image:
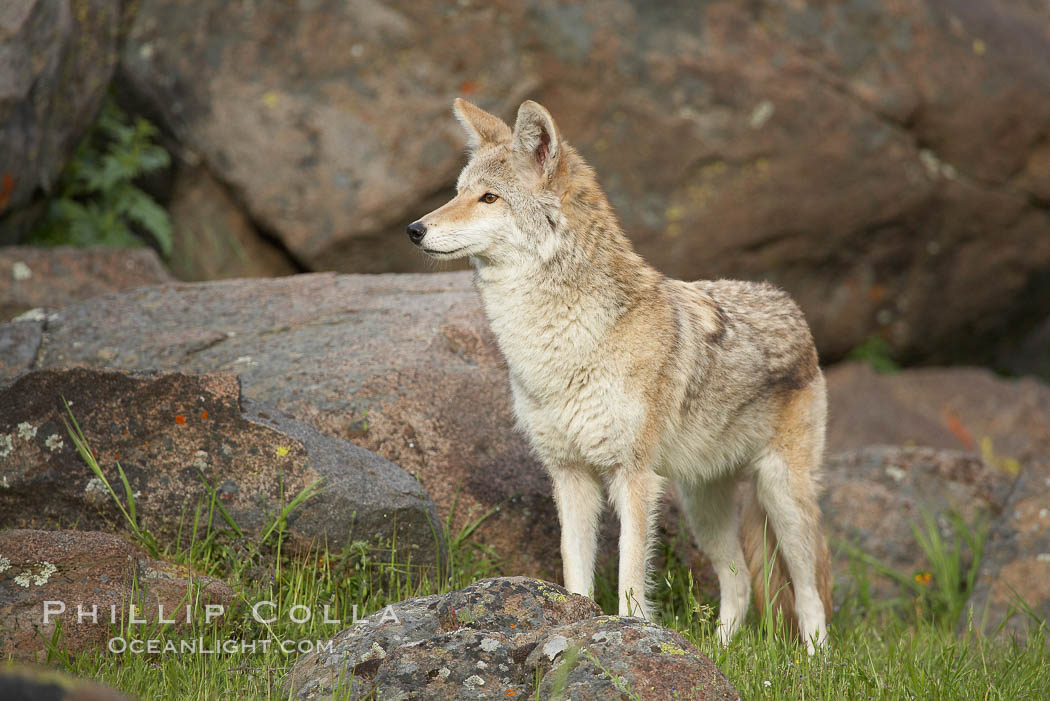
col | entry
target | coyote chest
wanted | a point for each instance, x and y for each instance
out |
(567, 393)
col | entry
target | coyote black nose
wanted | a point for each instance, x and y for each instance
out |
(416, 231)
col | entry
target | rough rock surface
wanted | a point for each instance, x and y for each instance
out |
(622, 658)
(19, 343)
(86, 568)
(56, 61)
(177, 437)
(874, 496)
(50, 278)
(957, 408)
(886, 162)
(1007, 421)
(214, 240)
(493, 639)
(18, 683)
(402, 365)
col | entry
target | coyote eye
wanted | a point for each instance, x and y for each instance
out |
(488, 198)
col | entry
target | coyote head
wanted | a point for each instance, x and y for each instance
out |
(507, 206)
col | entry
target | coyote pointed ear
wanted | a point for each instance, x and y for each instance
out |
(537, 140)
(482, 128)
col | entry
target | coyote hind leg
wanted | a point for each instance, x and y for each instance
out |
(795, 518)
(710, 510)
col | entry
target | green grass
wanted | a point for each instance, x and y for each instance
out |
(905, 647)
(872, 653)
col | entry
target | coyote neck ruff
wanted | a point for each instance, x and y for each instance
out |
(624, 379)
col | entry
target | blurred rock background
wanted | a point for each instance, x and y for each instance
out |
(886, 161)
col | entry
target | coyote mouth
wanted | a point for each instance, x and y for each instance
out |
(434, 251)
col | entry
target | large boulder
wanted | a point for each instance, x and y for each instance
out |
(402, 365)
(88, 569)
(494, 640)
(886, 162)
(56, 61)
(49, 278)
(179, 437)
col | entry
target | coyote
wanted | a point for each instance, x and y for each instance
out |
(623, 378)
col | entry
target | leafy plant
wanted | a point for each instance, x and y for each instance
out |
(876, 352)
(96, 202)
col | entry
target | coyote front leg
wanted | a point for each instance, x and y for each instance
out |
(578, 496)
(635, 496)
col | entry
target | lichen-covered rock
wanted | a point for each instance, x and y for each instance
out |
(179, 436)
(461, 664)
(92, 570)
(433, 643)
(1016, 563)
(524, 607)
(58, 58)
(494, 640)
(611, 657)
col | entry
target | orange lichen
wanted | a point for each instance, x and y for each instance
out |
(955, 425)
(180, 419)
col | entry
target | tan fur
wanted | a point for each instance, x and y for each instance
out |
(625, 380)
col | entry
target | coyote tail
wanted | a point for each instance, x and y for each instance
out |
(765, 563)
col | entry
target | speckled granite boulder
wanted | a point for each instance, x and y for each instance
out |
(494, 640)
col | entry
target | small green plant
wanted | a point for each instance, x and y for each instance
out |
(951, 579)
(876, 352)
(142, 535)
(939, 595)
(96, 202)
(569, 659)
